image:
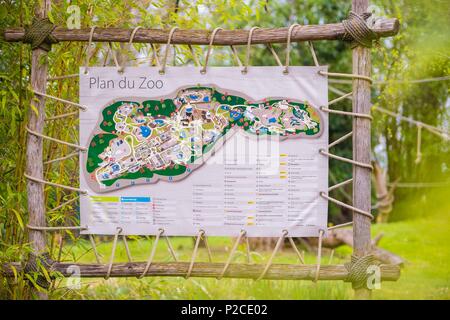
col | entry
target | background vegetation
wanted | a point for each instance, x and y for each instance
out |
(418, 227)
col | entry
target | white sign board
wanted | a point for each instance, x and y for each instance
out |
(220, 152)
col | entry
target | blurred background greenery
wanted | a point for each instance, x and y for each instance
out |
(417, 226)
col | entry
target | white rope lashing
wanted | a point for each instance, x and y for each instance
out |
(38, 228)
(113, 253)
(236, 56)
(88, 50)
(313, 53)
(61, 116)
(65, 203)
(299, 255)
(67, 76)
(208, 249)
(208, 52)
(194, 56)
(249, 45)
(341, 139)
(73, 145)
(344, 96)
(155, 56)
(351, 161)
(194, 253)
(152, 253)
(288, 47)
(166, 52)
(170, 248)
(319, 255)
(121, 69)
(274, 252)
(345, 75)
(437, 131)
(433, 129)
(84, 108)
(231, 255)
(275, 55)
(347, 113)
(127, 249)
(340, 184)
(94, 248)
(247, 250)
(342, 225)
(331, 188)
(347, 206)
(114, 55)
(70, 155)
(38, 180)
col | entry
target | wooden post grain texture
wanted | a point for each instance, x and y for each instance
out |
(361, 150)
(34, 165)
(207, 270)
(332, 31)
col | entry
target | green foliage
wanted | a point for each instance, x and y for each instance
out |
(98, 144)
(160, 108)
(421, 242)
(419, 51)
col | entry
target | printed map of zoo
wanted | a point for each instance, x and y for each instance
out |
(142, 141)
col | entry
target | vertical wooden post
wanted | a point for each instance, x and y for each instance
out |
(34, 165)
(361, 150)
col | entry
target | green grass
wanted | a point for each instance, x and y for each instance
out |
(421, 242)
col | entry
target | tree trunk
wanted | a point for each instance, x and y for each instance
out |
(34, 162)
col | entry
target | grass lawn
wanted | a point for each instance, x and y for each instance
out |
(422, 242)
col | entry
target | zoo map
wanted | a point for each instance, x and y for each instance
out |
(166, 139)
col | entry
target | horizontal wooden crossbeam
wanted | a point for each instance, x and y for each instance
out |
(333, 31)
(211, 270)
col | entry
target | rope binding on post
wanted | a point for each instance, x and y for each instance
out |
(39, 34)
(357, 270)
(357, 31)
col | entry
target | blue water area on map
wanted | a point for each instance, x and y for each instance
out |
(145, 131)
(272, 120)
(135, 199)
(159, 122)
(236, 115)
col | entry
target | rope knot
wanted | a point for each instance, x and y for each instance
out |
(35, 264)
(357, 31)
(39, 34)
(357, 270)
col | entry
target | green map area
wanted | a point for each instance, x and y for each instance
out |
(162, 138)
